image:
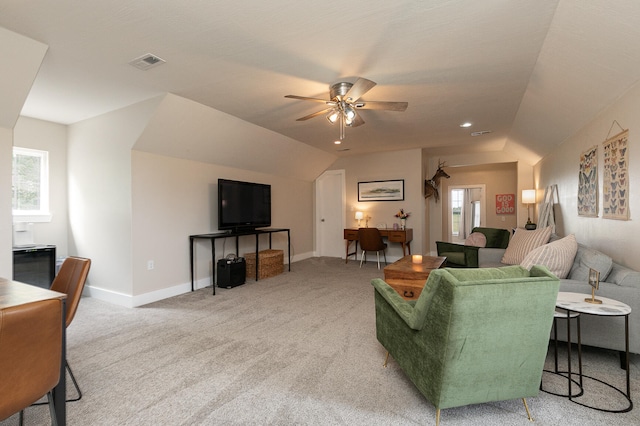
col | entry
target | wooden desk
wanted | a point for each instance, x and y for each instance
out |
(14, 293)
(402, 236)
(408, 278)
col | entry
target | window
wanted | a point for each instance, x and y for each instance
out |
(30, 185)
(466, 210)
(457, 200)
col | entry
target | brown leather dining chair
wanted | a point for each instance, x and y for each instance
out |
(371, 240)
(30, 355)
(70, 280)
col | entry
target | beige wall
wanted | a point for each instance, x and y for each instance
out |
(617, 238)
(391, 165)
(21, 60)
(498, 178)
(99, 182)
(436, 212)
(128, 205)
(175, 198)
(50, 137)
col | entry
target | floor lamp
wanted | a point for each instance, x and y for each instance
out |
(528, 198)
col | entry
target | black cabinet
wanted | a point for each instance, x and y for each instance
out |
(35, 265)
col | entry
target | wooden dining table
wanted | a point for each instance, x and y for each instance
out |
(14, 293)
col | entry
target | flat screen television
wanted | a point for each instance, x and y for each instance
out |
(243, 205)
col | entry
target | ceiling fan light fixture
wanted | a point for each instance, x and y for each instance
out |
(333, 115)
(349, 115)
(344, 100)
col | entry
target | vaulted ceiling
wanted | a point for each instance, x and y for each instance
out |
(531, 72)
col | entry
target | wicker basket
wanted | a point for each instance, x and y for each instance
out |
(271, 263)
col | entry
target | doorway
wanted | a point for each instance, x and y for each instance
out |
(330, 213)
(467, 209)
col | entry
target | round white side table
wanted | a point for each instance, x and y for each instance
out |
(575, 303)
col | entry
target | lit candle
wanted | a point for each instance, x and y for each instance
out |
(417, 258)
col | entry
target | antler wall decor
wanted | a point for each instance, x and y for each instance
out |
(431, 185)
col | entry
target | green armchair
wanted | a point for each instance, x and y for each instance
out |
(463, 256)
(473, 335)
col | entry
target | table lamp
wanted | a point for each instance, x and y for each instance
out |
(359, 217)
(528, 198)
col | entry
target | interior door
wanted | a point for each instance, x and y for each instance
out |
(330, 213)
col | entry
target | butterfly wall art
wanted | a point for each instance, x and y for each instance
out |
(588, 183)
(615, 178)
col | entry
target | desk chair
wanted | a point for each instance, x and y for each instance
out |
(70, 280)
(30, 355)
(371, 240)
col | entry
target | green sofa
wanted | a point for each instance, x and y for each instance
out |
(463, 256)
(473, 335)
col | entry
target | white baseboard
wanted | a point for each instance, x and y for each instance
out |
(141, 299)
(299, 257)
(129, 301)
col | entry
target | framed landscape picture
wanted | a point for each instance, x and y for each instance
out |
(381, 190)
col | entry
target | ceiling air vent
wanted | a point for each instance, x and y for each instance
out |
(147, 61)
(480, 133)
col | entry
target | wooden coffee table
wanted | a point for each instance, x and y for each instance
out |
(408, 278)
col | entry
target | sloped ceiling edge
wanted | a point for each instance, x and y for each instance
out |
(185, 129)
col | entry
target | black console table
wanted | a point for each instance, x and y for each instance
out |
(217, 235)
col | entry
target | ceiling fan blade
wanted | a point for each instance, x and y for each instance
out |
(315, 114)
(304, 98)
(359, 88)
(357, 121)
(389, 106)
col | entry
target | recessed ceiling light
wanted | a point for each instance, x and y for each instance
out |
(480, 133)
(467, 124)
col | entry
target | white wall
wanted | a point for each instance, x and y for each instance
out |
(390, 165)
(129, 204)
(174, 198)
(619, 239)
(51, 137)
(99, 179)
(21, 60)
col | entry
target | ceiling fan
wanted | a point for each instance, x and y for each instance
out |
(345, 101)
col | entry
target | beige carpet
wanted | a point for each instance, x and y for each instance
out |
(297, 349)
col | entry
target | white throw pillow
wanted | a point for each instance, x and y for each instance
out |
(557, 256)
(522, 242)
(476, 239)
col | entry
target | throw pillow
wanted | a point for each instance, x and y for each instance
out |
(476, 239)
(522, 242)
(557, 256)
(590, 258)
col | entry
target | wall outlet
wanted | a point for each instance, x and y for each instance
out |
(150, 265)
